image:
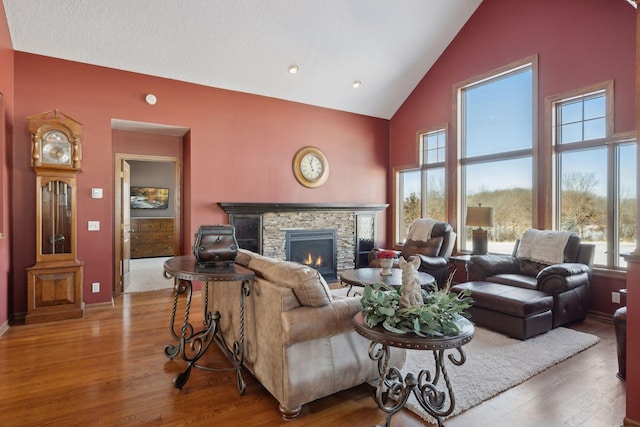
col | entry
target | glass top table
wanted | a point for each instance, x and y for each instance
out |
(367, 276)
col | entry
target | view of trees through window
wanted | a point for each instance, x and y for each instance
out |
(593, 175)
(497, 138)
(597, 190)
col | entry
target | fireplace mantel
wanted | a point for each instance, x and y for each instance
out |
(261, 227)
(259, 208)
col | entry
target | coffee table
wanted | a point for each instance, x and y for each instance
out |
(367, 276)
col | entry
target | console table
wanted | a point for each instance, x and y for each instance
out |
(393, 390)
(192, 344)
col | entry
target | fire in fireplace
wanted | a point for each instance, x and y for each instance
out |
(315, 248)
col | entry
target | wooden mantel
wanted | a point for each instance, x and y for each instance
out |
(258, 208)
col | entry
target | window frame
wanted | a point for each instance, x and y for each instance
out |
(460, 177)
(610, 142)
(423, 167)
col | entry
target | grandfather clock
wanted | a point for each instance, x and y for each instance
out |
(54, 288)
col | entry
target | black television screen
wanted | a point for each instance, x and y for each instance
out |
(149, 198)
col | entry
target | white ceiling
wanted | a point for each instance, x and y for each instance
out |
(247, 45)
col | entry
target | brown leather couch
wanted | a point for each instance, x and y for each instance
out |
(300, 343)
(433, 253)
(523, 298)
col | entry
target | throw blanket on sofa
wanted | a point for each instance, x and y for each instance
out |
(544, 246)
(420, 229)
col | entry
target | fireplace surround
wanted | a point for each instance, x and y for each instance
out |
(262, 227)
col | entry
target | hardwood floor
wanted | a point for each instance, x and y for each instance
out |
(109, 369)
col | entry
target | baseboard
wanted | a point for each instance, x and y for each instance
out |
(100, 305)
(4, 328)
(601, 317)
(628, 422)
(18, 319)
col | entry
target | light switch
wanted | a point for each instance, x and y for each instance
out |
(96, 193)
(94, 226)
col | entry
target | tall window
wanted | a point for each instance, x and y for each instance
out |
(421, 191)
(496, 116)
(595, 187)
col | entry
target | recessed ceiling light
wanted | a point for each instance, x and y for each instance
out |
(293, 68)
(151, 99)
(356, 84)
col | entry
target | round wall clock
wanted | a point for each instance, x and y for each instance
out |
(310, 167)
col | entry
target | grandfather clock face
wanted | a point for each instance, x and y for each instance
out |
(56, 141)
(56, 148)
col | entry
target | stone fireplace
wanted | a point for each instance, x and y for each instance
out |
(263, 228)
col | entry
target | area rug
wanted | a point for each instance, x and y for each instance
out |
(146, 275)
(496, 363)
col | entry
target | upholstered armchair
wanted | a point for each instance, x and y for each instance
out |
(553, 262)
(430, 240)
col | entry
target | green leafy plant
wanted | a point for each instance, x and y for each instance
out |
(437, 316)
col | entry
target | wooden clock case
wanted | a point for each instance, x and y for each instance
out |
(54, 283)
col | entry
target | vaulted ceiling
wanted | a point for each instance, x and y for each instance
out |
(248, 45)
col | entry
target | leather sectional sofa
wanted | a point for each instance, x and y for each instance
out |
(522, 298)
(300, 343)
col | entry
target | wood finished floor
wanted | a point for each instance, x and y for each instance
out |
(109, 369)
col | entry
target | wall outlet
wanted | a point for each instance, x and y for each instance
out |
(615, 297)
(93, 225)
(95, 287)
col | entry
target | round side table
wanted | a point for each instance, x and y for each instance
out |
(393, 389)
(191, 343)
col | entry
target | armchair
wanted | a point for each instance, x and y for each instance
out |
(430, 240)
(532, 266)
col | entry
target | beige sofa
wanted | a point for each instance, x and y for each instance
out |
(299, 338)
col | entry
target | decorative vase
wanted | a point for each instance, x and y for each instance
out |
(386, 264)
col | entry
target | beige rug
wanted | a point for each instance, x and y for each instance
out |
(146, 275)
(496, 363)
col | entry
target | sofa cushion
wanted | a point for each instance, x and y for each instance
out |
(515, 280)
(307, 283)
(429, 248)
(244, 256)
(506, 299)
(531, 268)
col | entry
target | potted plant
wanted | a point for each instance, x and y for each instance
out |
(386, 258)
(438, 314)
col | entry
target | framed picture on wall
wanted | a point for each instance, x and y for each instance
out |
(149, 198)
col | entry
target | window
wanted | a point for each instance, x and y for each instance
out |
(409, 204)
(496, 116)
(595, 189)
(421, 191)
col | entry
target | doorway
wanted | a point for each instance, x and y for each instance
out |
(145, 237)
(153, 144)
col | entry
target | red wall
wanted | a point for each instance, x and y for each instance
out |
(239, 148)
(6, 127)
(571, 54)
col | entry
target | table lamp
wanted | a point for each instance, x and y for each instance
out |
(479, 217)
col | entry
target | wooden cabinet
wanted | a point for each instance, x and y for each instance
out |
(152, 237)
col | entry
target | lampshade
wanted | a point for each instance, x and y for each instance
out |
(479, 216)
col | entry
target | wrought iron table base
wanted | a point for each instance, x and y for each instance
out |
(393, 389)
(192, 345)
